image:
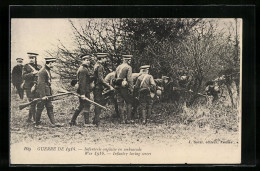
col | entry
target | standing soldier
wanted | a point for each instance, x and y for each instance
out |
(30, 71)
(110, 80)
(84, 89)
(17, 77)
(144, 86)
(124, 86)
(44, 90)
(100, 84)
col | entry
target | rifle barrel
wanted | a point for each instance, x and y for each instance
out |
(22, 106)
(87, 99)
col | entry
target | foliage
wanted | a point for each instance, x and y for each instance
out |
(202, 48)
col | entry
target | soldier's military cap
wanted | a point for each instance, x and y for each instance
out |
(85, 57)
(49, 59)
(127, 56)
(19, 59)
(101, 55)
(165, 77)
(145, 67)
(30, 54)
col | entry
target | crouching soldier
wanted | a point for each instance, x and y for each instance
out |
(144, 86)
(163, 84)
(110, 80)
(44, 90)
(212, 90)
(84, 89)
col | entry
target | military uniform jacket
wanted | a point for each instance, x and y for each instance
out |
(99, 76)
(124, 71)
(135, 76)
(17, 75)
(84, 80)
(110, 77)
(28, 76)
(159, 82)
(44, 82)
(145, 81)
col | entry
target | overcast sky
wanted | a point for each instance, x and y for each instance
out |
(37, 35)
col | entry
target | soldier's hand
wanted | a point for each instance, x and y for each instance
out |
(112, 88)
(82, 96)
(35, 72)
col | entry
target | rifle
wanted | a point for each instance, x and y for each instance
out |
(87, 99)
(22, 106)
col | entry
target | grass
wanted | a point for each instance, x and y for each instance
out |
(168, 124)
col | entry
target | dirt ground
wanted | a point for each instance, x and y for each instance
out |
(165, 126)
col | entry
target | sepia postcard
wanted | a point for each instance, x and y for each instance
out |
(125, 90)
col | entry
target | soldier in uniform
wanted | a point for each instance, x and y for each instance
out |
(162, 84)
(30, 71)
(212, 90)
(110, 80)
(44, 90)
(144, 86)
(124, 87)
(17, 78)
(84, 89)
(100, 84)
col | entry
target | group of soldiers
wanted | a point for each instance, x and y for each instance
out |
(35, 81)
(123, 87)
(128, 91)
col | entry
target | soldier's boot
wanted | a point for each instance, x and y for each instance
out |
(31, 114)
(86, 117)
(143, 112)
(38, 117)
(96, 117)
(51, 116)
(149, 112)
(74, 117)
(135, 113)
(117, 111)
(129, 114)
(121, 114)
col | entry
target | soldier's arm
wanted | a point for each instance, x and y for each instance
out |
(136, 87)
(130, 78)
(108, 78)
(152, 83)
(42, 77)
(101, 77)
(158, 82)
(137, 84)
(27, 74)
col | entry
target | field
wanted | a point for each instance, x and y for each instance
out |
(214, 123)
